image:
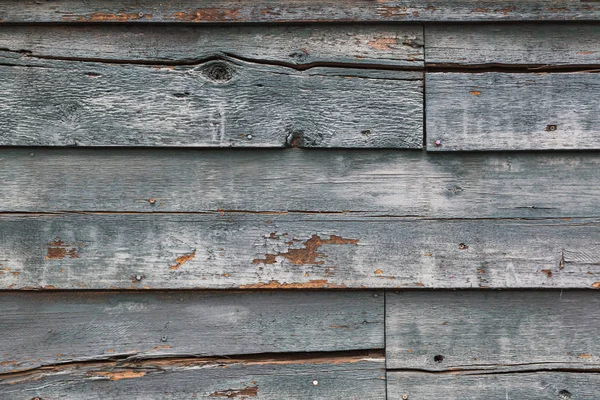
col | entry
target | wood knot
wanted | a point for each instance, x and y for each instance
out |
(218, 71)
(564, 395)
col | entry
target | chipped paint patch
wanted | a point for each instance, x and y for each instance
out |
(57, 250)
(209, 15)
(117, 376)
(312, 284)
(475, 92)
(182, 260)
(107, 17)
(383, 43)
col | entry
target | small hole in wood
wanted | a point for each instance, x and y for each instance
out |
(564, 395)
(438, 358)
(550, 128)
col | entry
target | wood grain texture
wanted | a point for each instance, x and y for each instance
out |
(186, 11)
(355, 377)
(294, 45)
(522, 386)
(385, 182)
(293, 251)
(506, 111)
(215, 104)
(513, 44)
(41, 329)
(499, 330)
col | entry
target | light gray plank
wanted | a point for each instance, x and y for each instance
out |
(51, 328)
(505, 111)
(513, 44)
(301, 45)
(341, 377)
(239, 250)
(386, 182)
(521, 386)
(215, 104)
(494, 330)
(187, 11)
(360, 376)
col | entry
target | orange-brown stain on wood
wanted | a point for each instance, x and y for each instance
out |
(248, 391)
(392, 12)
(312, 284)
(585, 52)
(480, 10)
(107, 17)
(383, 43)
(308, 254)
(506, 10)
(57, 250)
(585, 356)
(117, 376)
(209, 15)
(596, 285)
(475, 92)
(179, 261)
(547, 272)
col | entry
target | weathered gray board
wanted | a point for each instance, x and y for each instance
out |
(386, 182)
(355, 377)
(295, 45)
(539, 385)
(493, 330)
(508, 111)
(521, 44)
(40, 329)
(210, 11)
(216, 103)
(294, 251)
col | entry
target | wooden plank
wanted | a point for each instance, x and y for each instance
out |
(187, 11)
(522, 44)
(539, 385)
(216, 103)
(500, 330)
(294, 45)
(385, 182)
(240, 250)
(506, 111)
(51, 328)
(353, 377)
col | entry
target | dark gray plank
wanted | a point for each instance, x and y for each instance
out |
(216, 104)
(239, 250)
(522, 386)
(360, 376)
(51, 328)
(341, 377)
(493, 330)
(513, 44)
(301, 45)
(187, 11)
(506, 111)
(386, 182)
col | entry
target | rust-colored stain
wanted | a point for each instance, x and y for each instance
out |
(106, 17)
(378, 272)
(248, 391)
(558, 9)
(585, 52)
(117, 376)
(308, 254)
(312, 284)
(480, 10)
(57, 250)
(585, 356)
(179, 261)
(506, 10)
(383, 43)
(475, 92)
(596, 285)
(547, 272)
(420, 284)
(209, 14)
(392, 12)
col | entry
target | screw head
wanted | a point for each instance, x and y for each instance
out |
(404, 397)
(138, 277)
(249, 137)
(140, 14)
(31, 154)
(163, 339)
(438, 143)
(152, 200)
(315, 382)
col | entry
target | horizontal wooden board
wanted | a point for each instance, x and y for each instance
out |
(493, 330)
(294, 45)
(216, 104)
(507, 111)
(387, 182)
(52, 328)
(355, 377)
(187, 11)
(513, 44)
(539, 385)
(239, 250)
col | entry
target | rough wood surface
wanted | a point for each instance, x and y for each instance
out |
(216, 103)
(294, 251)
(493, 330)
(539, 385)
(205, 11)
(506, 111)
(386, 182)
(535, 45)
(295, 45)
(40, 329)
(355, 377)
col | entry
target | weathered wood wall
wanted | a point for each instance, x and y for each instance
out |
(399, 176)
